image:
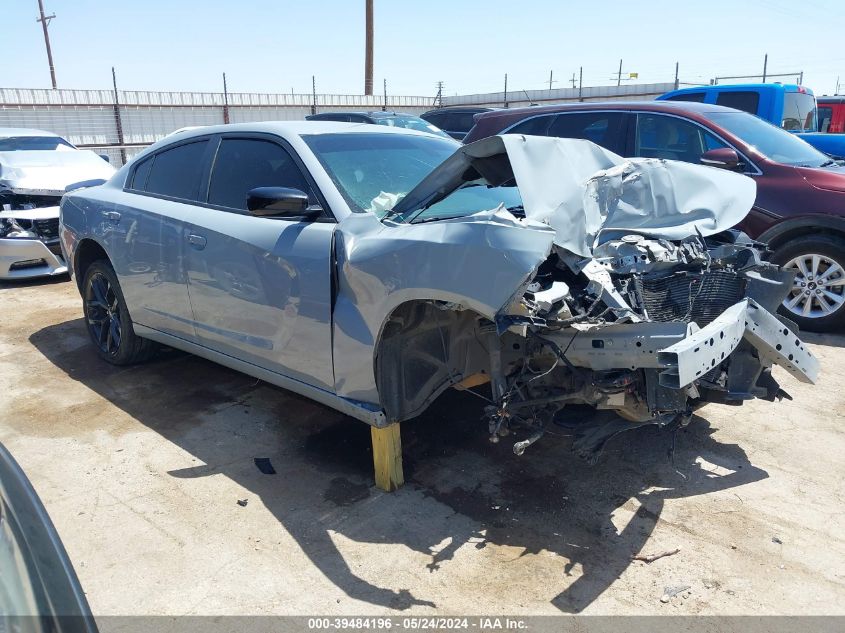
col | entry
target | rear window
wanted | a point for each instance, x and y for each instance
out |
(746, 100)
(536, 126)
(458, 122)
(176, 172)
(34, 143)
(799, 112)
(696, 97)
(603, 128)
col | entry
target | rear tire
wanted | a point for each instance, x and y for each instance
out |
(817, 300)
(107, 318)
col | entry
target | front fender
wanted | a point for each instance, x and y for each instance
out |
(477, 262)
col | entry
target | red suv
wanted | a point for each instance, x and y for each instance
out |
(800, 206)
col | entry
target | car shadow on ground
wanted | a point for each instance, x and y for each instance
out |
(35, 281)
(461, 489)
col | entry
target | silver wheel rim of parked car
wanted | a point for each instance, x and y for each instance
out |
(819, 287)
(103, 313)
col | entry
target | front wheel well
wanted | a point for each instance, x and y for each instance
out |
(87, 252)
(425, 347)
(782, 238)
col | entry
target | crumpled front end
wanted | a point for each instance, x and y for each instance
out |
(648, 328)
(649, 303)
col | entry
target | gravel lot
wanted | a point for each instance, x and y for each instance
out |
(141, 469)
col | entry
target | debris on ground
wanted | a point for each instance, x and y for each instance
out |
(776, 539)
(264, 465)
(671, 592)
(243, 502)
(650, 558)
(733, 545)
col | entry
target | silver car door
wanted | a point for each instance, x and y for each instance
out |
(261, 287)
(148, 236)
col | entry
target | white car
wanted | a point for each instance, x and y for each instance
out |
(36, 168)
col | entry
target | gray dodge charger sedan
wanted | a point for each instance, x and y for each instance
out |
(371, 268)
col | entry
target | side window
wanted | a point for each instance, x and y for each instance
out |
(244, 164)
(538, 126)
(825, 115)
(436, 118)
(695, 97)
(747, 101)
(669, 137)
(458, 121)
(603, 128)
(142, 172)
(176, 172)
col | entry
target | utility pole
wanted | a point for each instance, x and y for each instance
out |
(573, 81)
(580, 82)
(225, 100)
(837, 85)
(765, 65)
(551, 81)
(45, 21)
(676, 76)
(438, 99)
(619, 74)
(506, 90)
(314, 95)
(118, 123)
(368, 54)
(384, 107)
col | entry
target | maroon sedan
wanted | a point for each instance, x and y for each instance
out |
(800, 206)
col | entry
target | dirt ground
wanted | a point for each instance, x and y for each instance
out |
(141, 469)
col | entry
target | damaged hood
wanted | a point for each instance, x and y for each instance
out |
(45, 172)
(589, 194)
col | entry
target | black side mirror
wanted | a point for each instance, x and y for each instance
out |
(724, 158)
(277, 202)
(105, 157)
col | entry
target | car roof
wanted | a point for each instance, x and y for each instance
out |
(288, 129)
(461, 108)
(6, 132)
(829, 99)
(370, 113)
(658, 106)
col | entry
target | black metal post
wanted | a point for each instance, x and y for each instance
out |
(506, 90)
(313, 95)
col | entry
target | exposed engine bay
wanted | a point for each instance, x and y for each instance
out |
(650, 305)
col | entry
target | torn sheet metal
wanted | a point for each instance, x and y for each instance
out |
(581, 189)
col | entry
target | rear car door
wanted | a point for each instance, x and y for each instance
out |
(261, 287)
(147, 237)
(608, 129)
(671, 137)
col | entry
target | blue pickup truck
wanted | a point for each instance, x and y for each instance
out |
(788, 106)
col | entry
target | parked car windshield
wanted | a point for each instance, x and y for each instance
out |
(771, 141)
(411, 123)
(374, 171)
(29, 143)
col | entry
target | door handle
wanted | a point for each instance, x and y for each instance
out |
(112, 216)
(197, 241)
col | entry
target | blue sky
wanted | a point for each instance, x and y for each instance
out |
(276, 45)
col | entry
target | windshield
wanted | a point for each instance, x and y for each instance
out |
(29, 143)
(411, 123)
(799, 112)
(769, 140)
(374, 171)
